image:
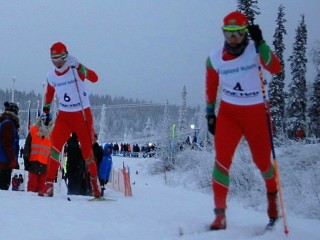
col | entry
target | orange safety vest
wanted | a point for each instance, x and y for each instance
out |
(40, 147)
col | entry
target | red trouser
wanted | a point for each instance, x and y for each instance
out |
(65, 124)
(36, 182)
(233, 122)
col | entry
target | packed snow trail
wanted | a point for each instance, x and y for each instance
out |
(156, 211)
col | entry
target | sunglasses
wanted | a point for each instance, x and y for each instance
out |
(60, 59)
(236, 34)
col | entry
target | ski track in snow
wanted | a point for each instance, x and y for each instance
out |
(156, 211)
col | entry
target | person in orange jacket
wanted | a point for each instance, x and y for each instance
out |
(236, 68)
(36, 152)
(66, 80)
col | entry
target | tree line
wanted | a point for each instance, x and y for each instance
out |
(299, 105)
(121, 119)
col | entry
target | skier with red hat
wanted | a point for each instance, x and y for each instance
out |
(235, 68)
(67, 81)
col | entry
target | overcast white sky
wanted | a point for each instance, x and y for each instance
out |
(141, 49)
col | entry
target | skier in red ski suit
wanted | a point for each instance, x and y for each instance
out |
(67, 81)
(241, 112)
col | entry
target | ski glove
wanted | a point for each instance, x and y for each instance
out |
(212, 123)
(255, 34)
(46, 109)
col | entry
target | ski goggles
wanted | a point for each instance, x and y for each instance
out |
(235, 34)
(58, 58)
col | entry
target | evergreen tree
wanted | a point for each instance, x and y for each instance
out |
(276, 87)
(315, 54)
(182, 126)
(249, 8)
(314, 111)
(128, 134)
(103, 126)
(148, 129)
(296, 108)
(165, 152)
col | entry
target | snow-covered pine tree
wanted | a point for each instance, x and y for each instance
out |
(249, 8)
(182, 127)
(127, 136)
(296, 105)
(314, 111)
(315, 54)
(276, 87)
(165, 152)
(102, 136)
(148, 130)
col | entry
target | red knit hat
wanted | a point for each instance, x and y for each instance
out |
(235, 21)
(58, 50)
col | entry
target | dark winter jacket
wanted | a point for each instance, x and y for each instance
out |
(75, 161)
(76, 168)
(9, 141)
(97, 152)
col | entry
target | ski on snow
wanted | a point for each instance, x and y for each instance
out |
(206, 228)
(102, 199)
(270, 226)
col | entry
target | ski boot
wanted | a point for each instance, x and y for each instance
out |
(272, 206)
(102, 190)
(220, 223)
(96, 192)
(47, 191)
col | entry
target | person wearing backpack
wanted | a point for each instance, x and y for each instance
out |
(9, 143)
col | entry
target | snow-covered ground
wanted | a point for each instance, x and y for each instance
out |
(156, 211)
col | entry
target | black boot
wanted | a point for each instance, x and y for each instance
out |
(272, 206)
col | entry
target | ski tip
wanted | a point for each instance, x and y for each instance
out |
(270, 226)
(101, 199)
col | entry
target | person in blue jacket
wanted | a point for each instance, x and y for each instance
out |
(105, 166)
